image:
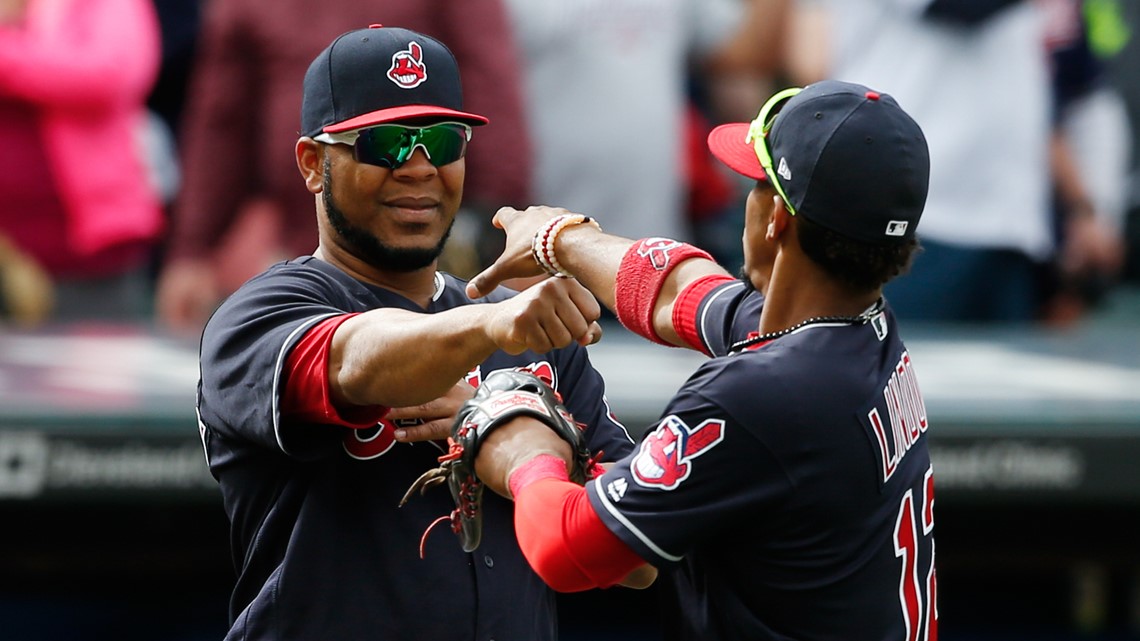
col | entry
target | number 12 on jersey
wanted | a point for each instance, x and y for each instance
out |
(918, 587)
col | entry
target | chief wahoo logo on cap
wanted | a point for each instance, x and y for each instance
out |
(408, 70)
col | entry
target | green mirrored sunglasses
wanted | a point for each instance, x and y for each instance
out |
(391, 146)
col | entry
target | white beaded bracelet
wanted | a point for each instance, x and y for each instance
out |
(542, 245)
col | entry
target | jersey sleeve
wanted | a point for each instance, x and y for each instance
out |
(583, 393)
(714, 313)
(307, 396)
(244, 350)
(697, 472)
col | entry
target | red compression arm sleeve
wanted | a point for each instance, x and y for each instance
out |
(307, 396)
(561, 536)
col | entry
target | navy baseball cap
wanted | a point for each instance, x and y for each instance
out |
(844, 156)
(378, 75)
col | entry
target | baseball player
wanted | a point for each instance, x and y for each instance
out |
(328, 381)
(787, 490)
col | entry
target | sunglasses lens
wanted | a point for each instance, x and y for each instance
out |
(391, 145)
(444, 143)
(382, 146)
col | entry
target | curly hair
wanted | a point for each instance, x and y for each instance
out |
(862, 266)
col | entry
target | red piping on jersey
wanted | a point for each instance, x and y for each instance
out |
(307, 397)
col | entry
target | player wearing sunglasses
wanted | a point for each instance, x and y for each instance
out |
(787, 491)
(415, 176)
(329, 381)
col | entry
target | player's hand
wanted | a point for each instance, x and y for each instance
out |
(548, 315)
(516, 261)
(186, 295)
(436, 416)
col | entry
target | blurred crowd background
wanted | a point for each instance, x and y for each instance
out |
(147, 170)
(148, 167)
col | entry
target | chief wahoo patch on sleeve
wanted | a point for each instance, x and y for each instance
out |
(666, 455)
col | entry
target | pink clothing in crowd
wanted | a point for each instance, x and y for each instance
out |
(81, 71)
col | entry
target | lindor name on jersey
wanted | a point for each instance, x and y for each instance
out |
(905, 419)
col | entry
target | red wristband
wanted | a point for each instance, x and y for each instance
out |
(643, 271)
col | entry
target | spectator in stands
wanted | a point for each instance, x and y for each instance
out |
(1090, 154)
(975, 76)
(605, 82)
(244, 100)
(74, 176)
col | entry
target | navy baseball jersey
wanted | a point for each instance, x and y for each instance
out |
(787, 491)
(314, 505)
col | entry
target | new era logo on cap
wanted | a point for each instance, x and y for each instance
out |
(784, 171)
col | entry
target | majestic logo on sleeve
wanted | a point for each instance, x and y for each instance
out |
(657, 251)
(408, 70)
(666, 455)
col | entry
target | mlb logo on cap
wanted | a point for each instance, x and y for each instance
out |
(897, 228)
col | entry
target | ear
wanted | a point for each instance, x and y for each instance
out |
(779, 221)
(310, 160)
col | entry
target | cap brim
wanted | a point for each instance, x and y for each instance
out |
(728, 144)
(405, 112)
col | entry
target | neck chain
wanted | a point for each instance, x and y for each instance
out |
(440, 285)
(861, 319)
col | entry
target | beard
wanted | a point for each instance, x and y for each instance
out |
(368, 247)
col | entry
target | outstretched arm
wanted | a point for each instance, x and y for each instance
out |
(561, 536)
(397, 358)
(631, 278)
(350, 368)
